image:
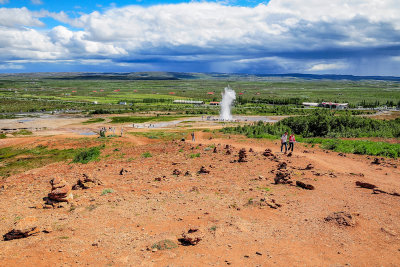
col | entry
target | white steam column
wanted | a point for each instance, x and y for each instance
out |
(228, 96)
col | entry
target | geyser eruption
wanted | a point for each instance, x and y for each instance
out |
(228, 96)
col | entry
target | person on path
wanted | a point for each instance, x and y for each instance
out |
(122, 131)
(292, 140)
(284, 141)
(193, 139)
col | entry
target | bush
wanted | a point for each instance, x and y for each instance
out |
(322, 124)
(87, 155)
(107, 191)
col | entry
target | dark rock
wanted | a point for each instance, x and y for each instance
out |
(176, 172)
(309, 167)
(191, 238)
(23, 228)
(86, 182)
(215, 150)
(365, 185)
(376, 161)
(282, 165)
(342, 218)
(203, 170)
(305, 186)
(122, 171)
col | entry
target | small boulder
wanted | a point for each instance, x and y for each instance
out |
(86, 182)
(305, 186)
(23, 228)
(203, 170)
(365, 185)
(282, 165)
(191, 237)
(377, 161)
(342, 218)
(176, 172)
(309, 167)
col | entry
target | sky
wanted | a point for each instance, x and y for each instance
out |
(356, 37)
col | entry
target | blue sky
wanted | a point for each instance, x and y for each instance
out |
(359, 37)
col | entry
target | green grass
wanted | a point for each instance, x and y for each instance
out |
(22, 132)
(93, 120)
(362, 147)
(16, 160)
(87, 155)
(266, 189)
(158, 134)
(3, 136)
(29, 93)
(147, 155)
(196, 155)
(107, 191)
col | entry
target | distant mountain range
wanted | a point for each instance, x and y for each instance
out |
(192, 76)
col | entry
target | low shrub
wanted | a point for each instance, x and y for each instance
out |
(87, 155)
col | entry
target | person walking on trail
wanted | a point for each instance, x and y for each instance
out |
(292, 140)
(122, 131)
(284, 142)
(193, 139)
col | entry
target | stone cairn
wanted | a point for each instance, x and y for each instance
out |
(282, 177)
(242, 155)
(60, 191)
(268, 153)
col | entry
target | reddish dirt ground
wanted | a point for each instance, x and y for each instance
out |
(119, 228)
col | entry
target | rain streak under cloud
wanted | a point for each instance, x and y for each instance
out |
(360, 37)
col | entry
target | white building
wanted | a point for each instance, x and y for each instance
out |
(193, 102)
(309, 104)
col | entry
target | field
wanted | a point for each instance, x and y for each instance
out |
(142, 193)
(40, 92)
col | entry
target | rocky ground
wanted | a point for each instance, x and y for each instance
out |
(179, 203)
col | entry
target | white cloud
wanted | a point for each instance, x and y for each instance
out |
(11, 67)
(279, 35)
(17, 17)
(328, 66)
(37, 2)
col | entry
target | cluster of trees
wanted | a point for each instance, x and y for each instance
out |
(323, 124)
(273, 101)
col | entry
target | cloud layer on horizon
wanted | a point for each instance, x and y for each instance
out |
(346, 37)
